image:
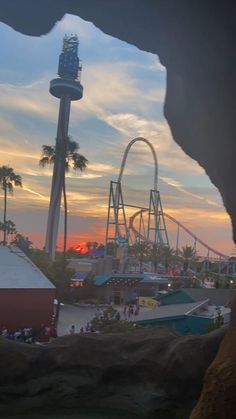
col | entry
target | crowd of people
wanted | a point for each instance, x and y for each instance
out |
(130, 311)
(24, 335)
(46, 333)
(87, 329)
(30, 335)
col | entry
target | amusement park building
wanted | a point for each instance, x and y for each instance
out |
(124, 288)
(217, 296)
(26, 295)
(188, 318)
(97, 266)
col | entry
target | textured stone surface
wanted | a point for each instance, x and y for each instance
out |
(139, 372)
(196, 43)
(218, 399)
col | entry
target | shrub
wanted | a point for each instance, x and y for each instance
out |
(113, 325)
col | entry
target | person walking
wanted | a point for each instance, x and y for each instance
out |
(118, 316)
(72, 330)
(87, 328)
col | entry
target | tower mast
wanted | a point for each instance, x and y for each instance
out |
(66, 87)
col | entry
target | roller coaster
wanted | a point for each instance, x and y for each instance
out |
(150, 224)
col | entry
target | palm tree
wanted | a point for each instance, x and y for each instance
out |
(155, 255)
(89, 245)
(72, 157)
(187, 254)
(161, 254)
(22, 242)
(140, 250)
(10, 228)
(8, 179)
(168, 255)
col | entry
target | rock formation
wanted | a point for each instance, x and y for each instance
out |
(217, 400)
(195, 42)
(140, 372)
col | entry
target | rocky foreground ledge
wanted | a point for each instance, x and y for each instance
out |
(140, 372)
(218, 397)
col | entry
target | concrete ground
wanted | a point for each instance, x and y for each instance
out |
(80, 316)
(72, 314)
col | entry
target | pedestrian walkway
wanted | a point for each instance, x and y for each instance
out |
(80, 316)
(73, 315)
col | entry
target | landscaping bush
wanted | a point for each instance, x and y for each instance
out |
(113, 325)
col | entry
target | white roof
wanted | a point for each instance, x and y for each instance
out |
(198, 308)
(171, 310)
(17, 270)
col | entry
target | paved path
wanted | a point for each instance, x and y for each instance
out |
(71, 314)
(80, 316)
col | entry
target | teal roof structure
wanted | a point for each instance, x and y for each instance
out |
(101, 279)
(176, 297)
(217, 296)
(171, 311)
(140, 278)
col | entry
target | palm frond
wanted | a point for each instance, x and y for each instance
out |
(44, 161)
(79, 162)
(9, 187)
(72, 147)
(48, 151)
(17, 180)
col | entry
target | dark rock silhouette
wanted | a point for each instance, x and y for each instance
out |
(140, 372)
(217, 400)
(196, 43)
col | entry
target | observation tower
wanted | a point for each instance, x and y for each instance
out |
(66, 87)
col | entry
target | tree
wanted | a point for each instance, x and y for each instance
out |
(154, 254)
(110, 248)
(217, 322)
(9, 227)
(22, 242)
(140, 250)
(168, 255)
(72, 253)
(8, 179)
(161, 254)
(95, 245)
(72, 157)
(57, 271)
(187, 254)
(89, 245)
(101, 247)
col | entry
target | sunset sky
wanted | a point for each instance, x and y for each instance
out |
(124, 90)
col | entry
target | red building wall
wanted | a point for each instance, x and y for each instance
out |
(26, 307)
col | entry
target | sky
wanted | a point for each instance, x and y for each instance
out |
(124, 90)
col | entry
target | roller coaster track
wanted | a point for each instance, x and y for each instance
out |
(138, 235)
(116, 203)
